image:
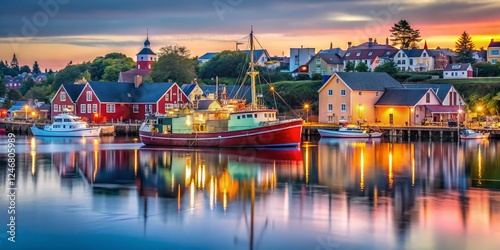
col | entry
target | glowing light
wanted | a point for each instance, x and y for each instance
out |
(391, 110)
(362, 163)
(33, 162)
(479, 167)
(33, 142)
(224, 201)
(212, 192)
(191, 197)
(307, 164)
(391, 176)
(136, 165)
(96, 160)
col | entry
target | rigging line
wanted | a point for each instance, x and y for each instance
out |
(286, 104)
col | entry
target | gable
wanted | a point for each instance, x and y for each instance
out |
(407, 97)
(368, 81)
(334, 82)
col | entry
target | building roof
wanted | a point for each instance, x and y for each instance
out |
(73, 90)
(493, 43)
(187, 88)
(370, 81)
(257, 53)
(330, 58)
(413, 52)
(444, 109)
(205, 104)
(401, 97)
(333, 51)
(146, 51)
(18, 106)
(150, 92)
(441, 90)
(369, 50)
(129, 75)
(112, 91)
(457, 67)
(208, 55)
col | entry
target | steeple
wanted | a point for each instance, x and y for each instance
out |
(425, 45)
(147, 43)
(146, 56)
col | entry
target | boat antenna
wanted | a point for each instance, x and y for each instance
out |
(252, 72)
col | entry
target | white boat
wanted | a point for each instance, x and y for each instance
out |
(467, 134)
(349, 132)
(66, 125)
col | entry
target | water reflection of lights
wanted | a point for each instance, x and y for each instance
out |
(33, 162)
(191, 197)
(362, 163)
(306, 165)
(412, 152)
(479, 167)
(391, 176)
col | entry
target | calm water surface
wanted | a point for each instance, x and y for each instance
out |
(114, 193)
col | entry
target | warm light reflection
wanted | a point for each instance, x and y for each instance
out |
(212, 192)
(391, 177)
(191, 197)
(224, 201)
(33, 143)
(362, 164)
(179, 197)
(95, 164)
(136, 164)
(33, 162)
(187, 178)
(479, 167)
(307, 164)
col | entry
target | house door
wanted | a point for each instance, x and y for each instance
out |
(391, 119)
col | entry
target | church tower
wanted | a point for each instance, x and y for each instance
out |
(146, 56)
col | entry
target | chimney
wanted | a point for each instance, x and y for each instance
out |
(387, 41)
(331, 45)
(349, 44)
(370, 42)
(137, 81)
(301, 46)
(375, 41)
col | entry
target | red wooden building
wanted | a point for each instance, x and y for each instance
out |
(65, 98)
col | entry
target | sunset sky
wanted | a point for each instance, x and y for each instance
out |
(54, 32)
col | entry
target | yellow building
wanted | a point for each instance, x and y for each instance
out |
(493, 52)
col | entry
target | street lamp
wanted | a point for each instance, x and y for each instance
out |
(306, 106)
(360, 111)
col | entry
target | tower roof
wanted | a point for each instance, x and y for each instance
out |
(147, 43)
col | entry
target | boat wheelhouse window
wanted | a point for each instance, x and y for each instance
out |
(64, 126)
(67, 120)
(255, 115)
(249, 116)
(265, 115)
(243, 117)
(56, 126)
(58, 120)
(238, 117)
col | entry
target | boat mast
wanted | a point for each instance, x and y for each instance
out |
(252, 72)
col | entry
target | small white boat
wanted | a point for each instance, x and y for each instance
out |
(467, 134)
(66, 125)
(349, 132)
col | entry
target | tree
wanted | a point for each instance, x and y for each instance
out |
(464, 47)
(14, 64)
(3, 88)
(225, 64)
(486, 69)
(36, 68)
(14, 95)
(174, 64)
(389, 67)
(117, 62)
(403, 34)
(39, 92)
(26, 85)
(349, 66)
(362, 67)
(25, 68)
(70, 74)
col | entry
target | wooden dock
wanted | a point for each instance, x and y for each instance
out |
(406, 132)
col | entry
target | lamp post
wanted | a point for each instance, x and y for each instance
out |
(306, 106)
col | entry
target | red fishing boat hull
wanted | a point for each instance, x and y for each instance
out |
(279, 135)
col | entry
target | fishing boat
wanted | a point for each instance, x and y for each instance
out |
(66, 125)
(233, 125)
(349, 132)
(468, 134)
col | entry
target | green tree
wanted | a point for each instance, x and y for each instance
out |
(362, 67)
(349, 66)
(3, 88)
(174, 64)
(36, 68)
(14, 64)
(389, 67)
(464, 47)
(4, 68)
(225, 64)
(25, 68)
(39, 92)
(14, 95)
(70, 74)
(486, 69)
(117, 61)
(404, 35)
(26, 85)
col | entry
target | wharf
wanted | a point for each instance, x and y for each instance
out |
(408, 132)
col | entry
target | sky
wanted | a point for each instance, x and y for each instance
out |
(55, 32)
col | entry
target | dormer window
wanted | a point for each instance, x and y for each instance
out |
(370, 53)
(358, 54)
(347, 54)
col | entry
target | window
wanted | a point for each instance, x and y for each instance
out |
(89, 108)
(337, 80)
(238, 117)
(318, 60)
(249, 116)
(135, 108)
(411, 61)
(342, 92)
(255, 115)
(265, 115)
(377, 93)
(83, 108)
(110, 108)
(330, 107)
(403, 62)
(56, 108)
(347, 54)
(399, 55)
(168, 107)
(494, 61)
(399, 61)
(330, 118)
(343, 107)
(428, 97)
(89, 96)
(63, 96)
(359, 93)
(370, 53)
(330, 92)
(296, 60)
(94, 108)
(167, 96)
(358, 54)
(494, 52)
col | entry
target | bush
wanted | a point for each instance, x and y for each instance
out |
(418, 78)
(301, 77)
(401, 77)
